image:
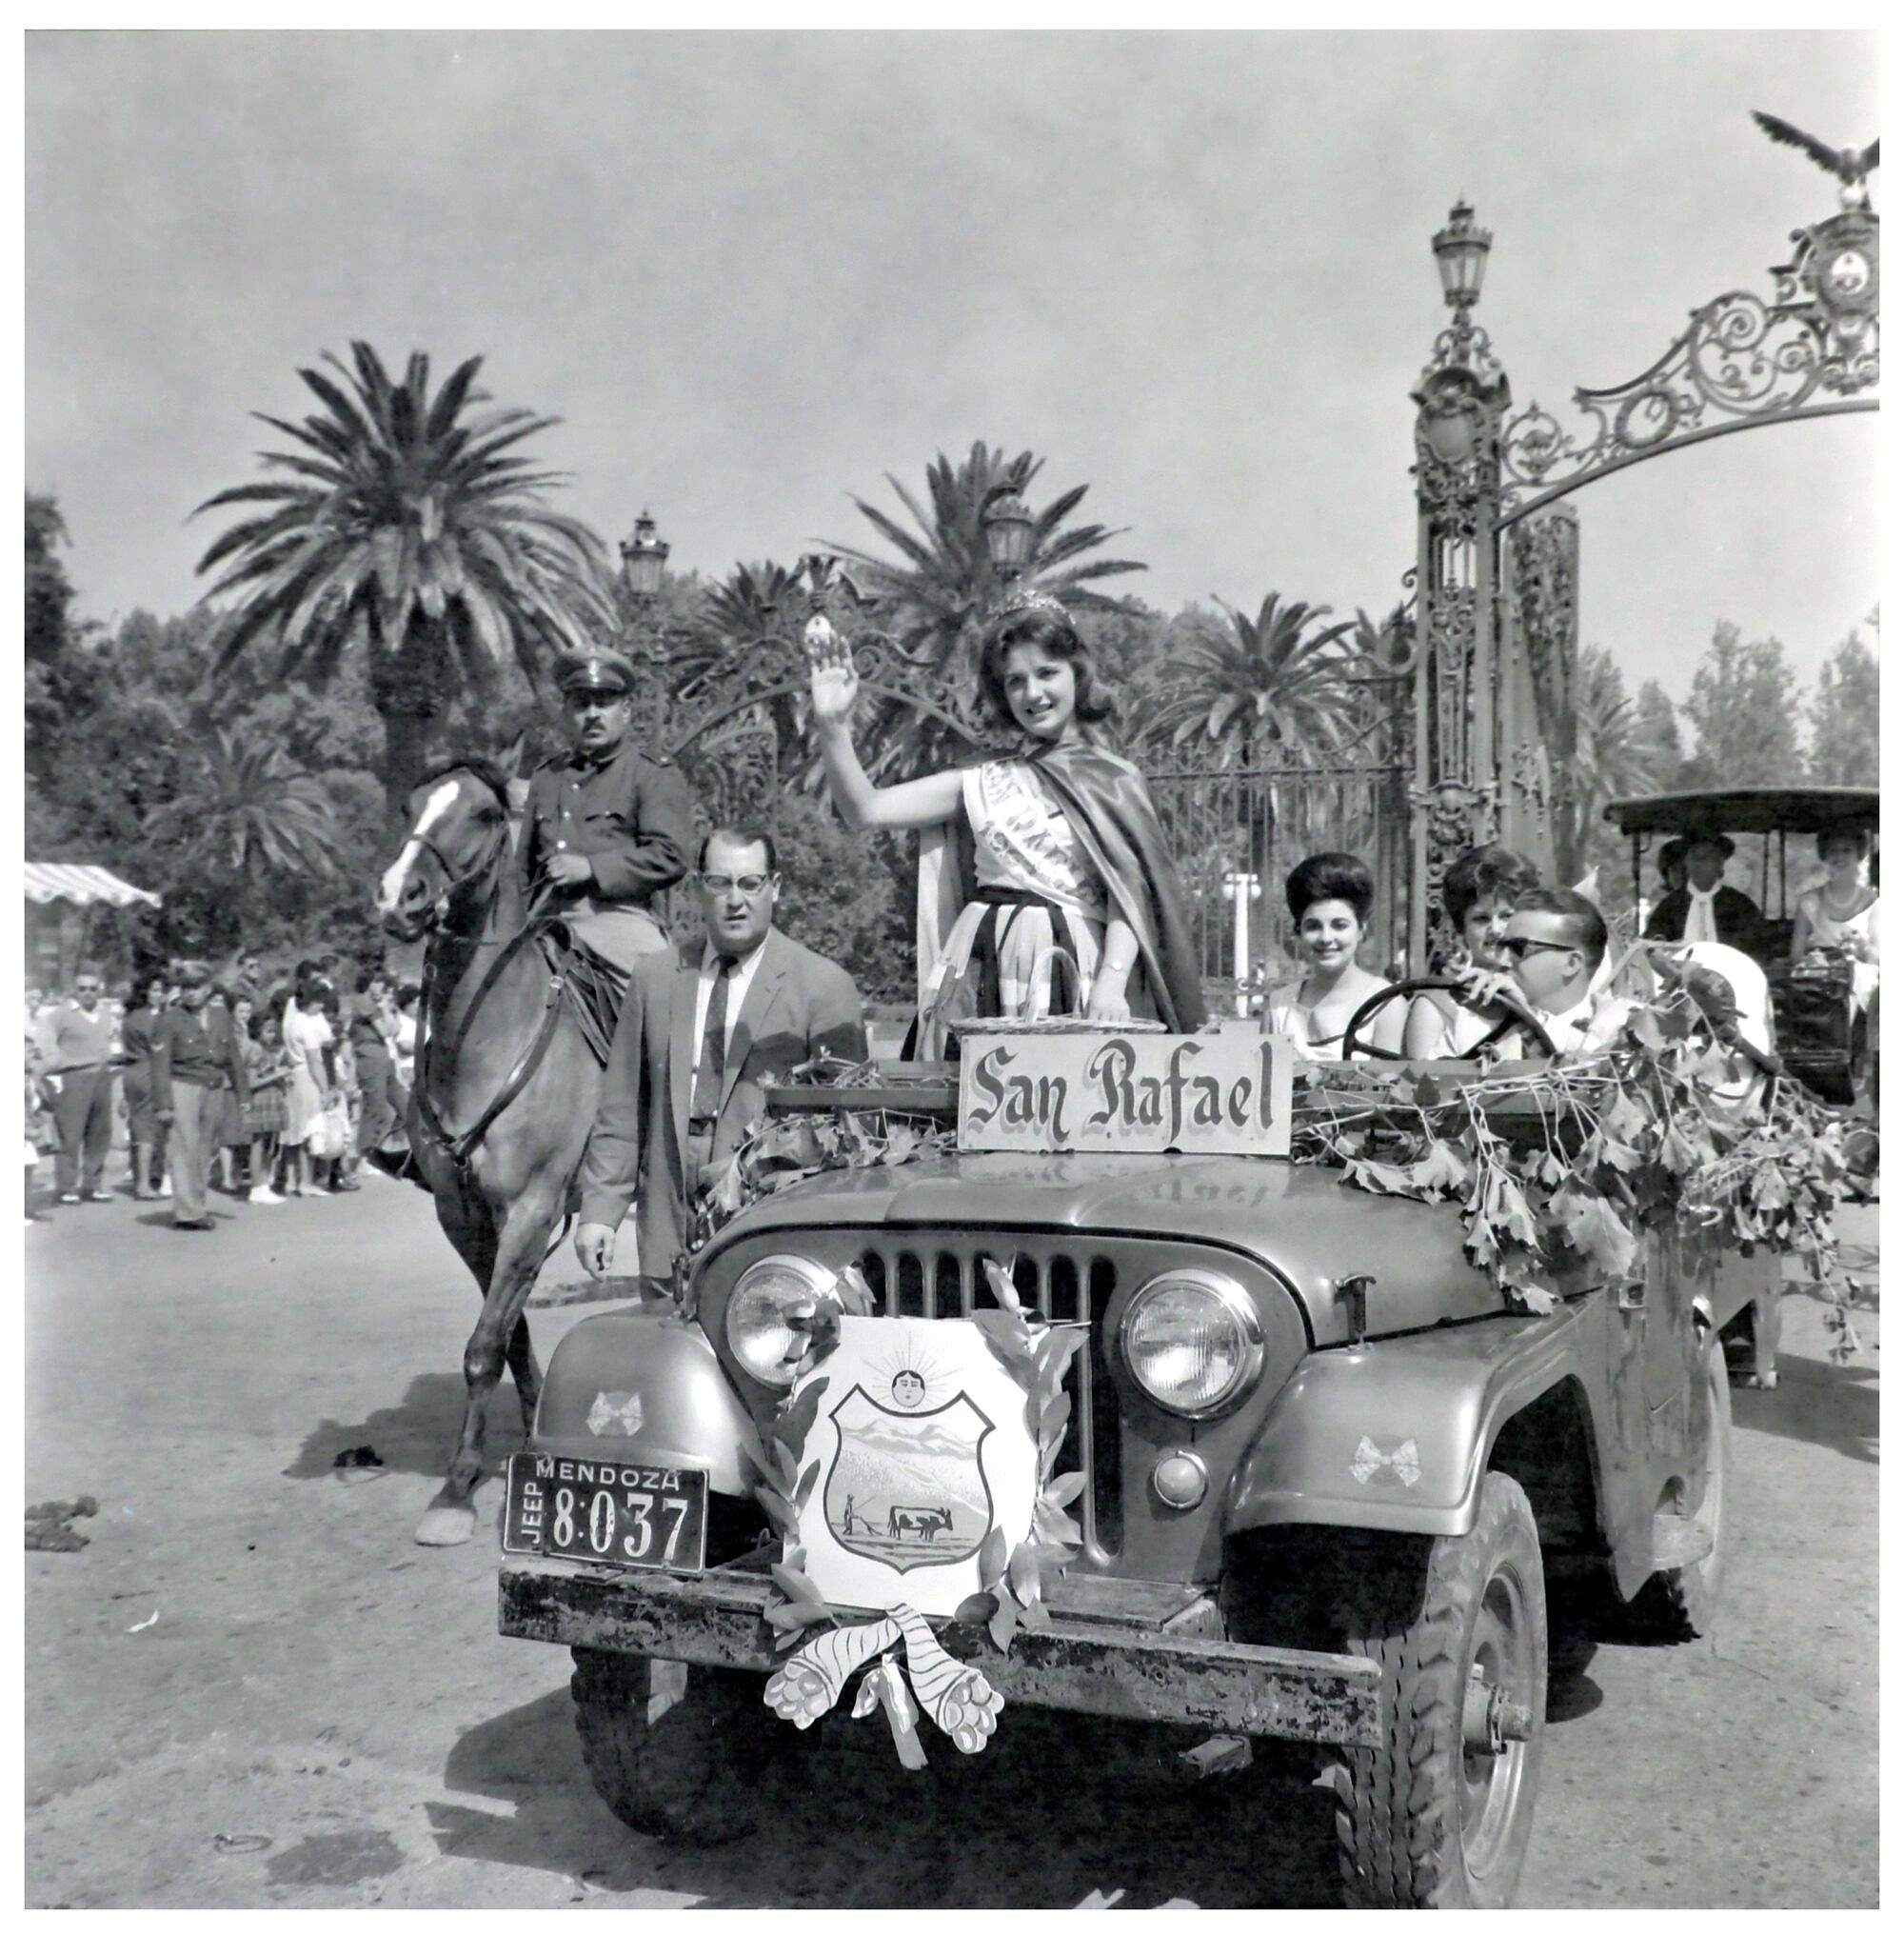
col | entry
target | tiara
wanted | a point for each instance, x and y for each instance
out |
(1030, 599)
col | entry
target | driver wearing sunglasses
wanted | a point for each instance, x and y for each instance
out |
(1553, 945)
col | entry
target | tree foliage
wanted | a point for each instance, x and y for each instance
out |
(405, 527)
(1844, 715)
(1262, 688)
(935, 589)
(1744, 711)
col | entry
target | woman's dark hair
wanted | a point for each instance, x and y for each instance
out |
(1052, 633)
(1329, 876)
(368, 972)
(1485, 873)
(409, 994)
(1858, 836)
(260, 1020)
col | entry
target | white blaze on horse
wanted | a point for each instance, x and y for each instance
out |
(505, 1083)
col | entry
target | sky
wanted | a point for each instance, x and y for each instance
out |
(756, 273)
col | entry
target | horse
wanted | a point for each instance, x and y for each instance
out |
(505, 1088)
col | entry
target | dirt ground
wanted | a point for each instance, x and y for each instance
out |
(252, 1690)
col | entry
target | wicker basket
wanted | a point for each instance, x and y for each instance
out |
(1050, 1024)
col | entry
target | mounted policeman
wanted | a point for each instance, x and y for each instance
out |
(529, 949)
(606, 829)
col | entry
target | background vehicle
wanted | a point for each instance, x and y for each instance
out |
(1818, 1036)
(1352, 1544)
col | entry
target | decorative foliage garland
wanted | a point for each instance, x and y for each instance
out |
(958, 1697)
(1592, 1153)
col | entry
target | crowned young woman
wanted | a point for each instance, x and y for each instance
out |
(1045, 886)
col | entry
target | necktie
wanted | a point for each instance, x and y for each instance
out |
(710, 1070)
(1700, 922)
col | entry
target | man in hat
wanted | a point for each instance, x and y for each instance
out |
(606, 829)
(195, 1055)
(1705, 908)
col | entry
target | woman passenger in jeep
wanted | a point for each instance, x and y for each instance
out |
(1330, 896)
(1477, 894)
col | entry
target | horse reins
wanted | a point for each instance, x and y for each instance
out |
(461, 1148)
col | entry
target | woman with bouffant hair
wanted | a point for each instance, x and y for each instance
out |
(1046, 884)
(1330, 898)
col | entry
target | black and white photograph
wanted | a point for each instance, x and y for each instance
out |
(952, 965)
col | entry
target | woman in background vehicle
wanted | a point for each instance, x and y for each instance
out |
(1477, 894)
(1329, 897)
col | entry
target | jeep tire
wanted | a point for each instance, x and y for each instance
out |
(1425, 1819)
(673, 1756)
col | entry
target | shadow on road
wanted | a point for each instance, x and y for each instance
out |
(1832, 1404)
(843, 1826)
(416, 1435)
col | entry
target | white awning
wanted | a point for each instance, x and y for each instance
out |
(84, 885)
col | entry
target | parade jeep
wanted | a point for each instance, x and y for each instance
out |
(1330, 1509)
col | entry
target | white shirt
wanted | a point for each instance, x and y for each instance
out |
(1588, 1025)
(1700, 924)
(738, 984)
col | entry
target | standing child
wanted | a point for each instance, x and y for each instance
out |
(267, 1069)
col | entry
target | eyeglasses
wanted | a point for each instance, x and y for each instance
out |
(89, 987)
(750, 883)
(1517, 947)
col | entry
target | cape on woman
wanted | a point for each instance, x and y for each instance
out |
(1108, 811)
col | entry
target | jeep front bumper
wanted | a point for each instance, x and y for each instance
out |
(1117, 1649)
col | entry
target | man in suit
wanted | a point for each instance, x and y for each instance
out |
(1705, 908)
(696, 1041)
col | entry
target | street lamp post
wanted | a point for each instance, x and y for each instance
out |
(1461, 399)
(644, 560)
(1008, 525)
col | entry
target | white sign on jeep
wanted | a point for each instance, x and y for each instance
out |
(1226, 1093)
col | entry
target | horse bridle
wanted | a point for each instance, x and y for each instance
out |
(461, 1148)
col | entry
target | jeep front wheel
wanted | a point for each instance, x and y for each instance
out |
(669, 1748)
(1439, 1813)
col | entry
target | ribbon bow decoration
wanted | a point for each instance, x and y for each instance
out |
(1404, 1461)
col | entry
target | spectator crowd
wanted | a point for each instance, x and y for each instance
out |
(219, 1081)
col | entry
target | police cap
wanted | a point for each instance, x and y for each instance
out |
(595, 670)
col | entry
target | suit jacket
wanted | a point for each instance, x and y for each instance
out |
(798, 1004)
(1735, 914)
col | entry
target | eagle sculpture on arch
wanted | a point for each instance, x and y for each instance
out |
(1850, 165)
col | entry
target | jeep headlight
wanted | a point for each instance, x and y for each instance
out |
(1193, 1340)
(760, 1330)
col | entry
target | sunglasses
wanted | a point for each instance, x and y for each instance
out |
(750, 883)
(1517, 947)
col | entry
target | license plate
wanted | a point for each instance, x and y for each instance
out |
(642, 1517)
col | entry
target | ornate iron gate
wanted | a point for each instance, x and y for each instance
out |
(1497, 554)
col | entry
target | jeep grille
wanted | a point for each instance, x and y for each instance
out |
(946, 1279)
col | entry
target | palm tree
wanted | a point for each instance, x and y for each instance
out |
(1612, 756)
(1265, 682)
(934, 596)
(251, 813)
(415, 533)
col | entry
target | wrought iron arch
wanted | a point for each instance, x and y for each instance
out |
(1741, 363)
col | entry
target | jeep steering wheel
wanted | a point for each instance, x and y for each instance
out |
(1513, 1016)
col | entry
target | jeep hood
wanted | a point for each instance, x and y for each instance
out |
(1300, 1221)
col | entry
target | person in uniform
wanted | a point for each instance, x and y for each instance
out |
(606, 829)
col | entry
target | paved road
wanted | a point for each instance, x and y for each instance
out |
(252, 1689)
